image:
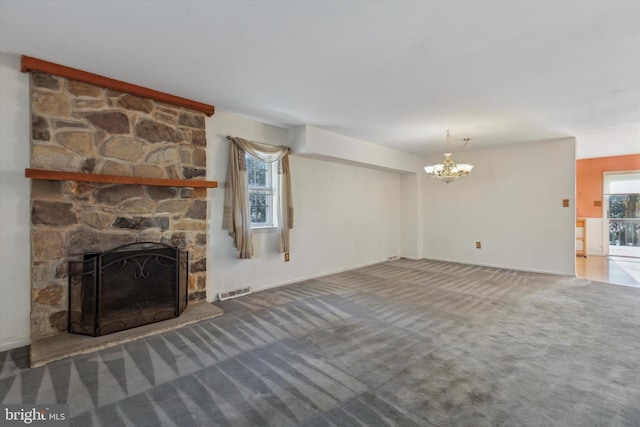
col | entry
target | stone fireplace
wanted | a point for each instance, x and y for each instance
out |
(97, 130)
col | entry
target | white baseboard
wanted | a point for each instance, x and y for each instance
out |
(504, 267)
(315, 276)
(303, 278)
(595, 253)
(353, 267)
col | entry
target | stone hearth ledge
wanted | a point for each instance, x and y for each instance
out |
(49, 349)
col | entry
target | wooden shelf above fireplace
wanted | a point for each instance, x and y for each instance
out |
(53, 175)
(34, 64)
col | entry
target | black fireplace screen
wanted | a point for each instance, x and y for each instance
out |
(130, 286)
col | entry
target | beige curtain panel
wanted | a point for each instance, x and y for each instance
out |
(237, 217)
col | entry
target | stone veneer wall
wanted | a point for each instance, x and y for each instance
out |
(78, 127)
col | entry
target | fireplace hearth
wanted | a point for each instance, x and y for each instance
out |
(127, 287)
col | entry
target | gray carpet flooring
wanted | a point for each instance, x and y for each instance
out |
(402, 343)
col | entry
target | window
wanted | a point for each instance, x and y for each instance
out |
(622, 201)
(262, 183)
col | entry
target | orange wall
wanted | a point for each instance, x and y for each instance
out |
(589, 180)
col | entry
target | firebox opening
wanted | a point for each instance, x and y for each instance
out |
(129, 286)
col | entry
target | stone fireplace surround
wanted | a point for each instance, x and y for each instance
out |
(101, 129)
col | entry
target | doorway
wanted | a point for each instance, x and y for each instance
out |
(620, 233)
(621, 214)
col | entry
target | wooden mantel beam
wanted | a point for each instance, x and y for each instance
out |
(33, 64)
(53, 175)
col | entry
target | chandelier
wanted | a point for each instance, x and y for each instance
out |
(449, 170)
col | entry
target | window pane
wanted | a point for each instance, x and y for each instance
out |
(624, 206)
(259, 203)
(624, 220)
(257, 172)
(258, 215)
(260, 178)
(258, 200)
(251, 176)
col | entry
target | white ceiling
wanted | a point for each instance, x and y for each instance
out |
(390, 72)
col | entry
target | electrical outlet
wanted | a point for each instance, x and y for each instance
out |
(478, 245)
(565, 203)
(286, 257)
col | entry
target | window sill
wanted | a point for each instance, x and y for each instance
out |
(267, 229)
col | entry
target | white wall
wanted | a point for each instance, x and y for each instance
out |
(595, 233)
(345, 216)
(617, 141)
(15, 288)
(512, 203)
(412, 215)
(314, 142)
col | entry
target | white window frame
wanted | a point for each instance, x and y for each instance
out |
(271, 187)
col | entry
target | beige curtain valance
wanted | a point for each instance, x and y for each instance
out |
(237, 217)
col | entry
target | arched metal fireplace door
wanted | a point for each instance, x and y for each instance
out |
(129, 286)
